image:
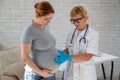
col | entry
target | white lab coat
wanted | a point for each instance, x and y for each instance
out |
(82, 70)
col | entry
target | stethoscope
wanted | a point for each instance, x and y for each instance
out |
(83, 38)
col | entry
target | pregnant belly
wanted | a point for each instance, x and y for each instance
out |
(46, 60)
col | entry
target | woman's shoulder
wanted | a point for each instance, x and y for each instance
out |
(28, 29)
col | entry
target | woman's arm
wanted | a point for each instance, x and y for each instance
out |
(91, 50)
(25, 50)
(82, 57)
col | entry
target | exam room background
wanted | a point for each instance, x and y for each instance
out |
(105, 18)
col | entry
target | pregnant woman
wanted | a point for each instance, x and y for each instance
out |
(38, 45)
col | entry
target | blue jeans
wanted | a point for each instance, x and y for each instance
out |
(32, 76)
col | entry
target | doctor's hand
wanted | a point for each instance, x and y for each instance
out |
(62, 57)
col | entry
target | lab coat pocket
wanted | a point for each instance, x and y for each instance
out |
(90, 72)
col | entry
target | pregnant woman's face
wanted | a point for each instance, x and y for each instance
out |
(45, 20)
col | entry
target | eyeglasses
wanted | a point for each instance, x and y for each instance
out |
(76, 20)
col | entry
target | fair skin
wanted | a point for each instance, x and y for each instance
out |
(80, 26)
(41, 22)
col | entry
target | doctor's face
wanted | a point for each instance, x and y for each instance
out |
(78, 22)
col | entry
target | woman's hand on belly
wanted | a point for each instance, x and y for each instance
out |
(46, 73)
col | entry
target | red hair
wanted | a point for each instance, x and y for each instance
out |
(43, 8)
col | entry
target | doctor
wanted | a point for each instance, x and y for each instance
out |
(81, 45)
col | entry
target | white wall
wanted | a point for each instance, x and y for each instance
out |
(105, 18)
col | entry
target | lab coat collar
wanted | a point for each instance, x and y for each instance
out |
(82, 32)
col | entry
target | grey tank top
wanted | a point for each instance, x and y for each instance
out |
(43, 51)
